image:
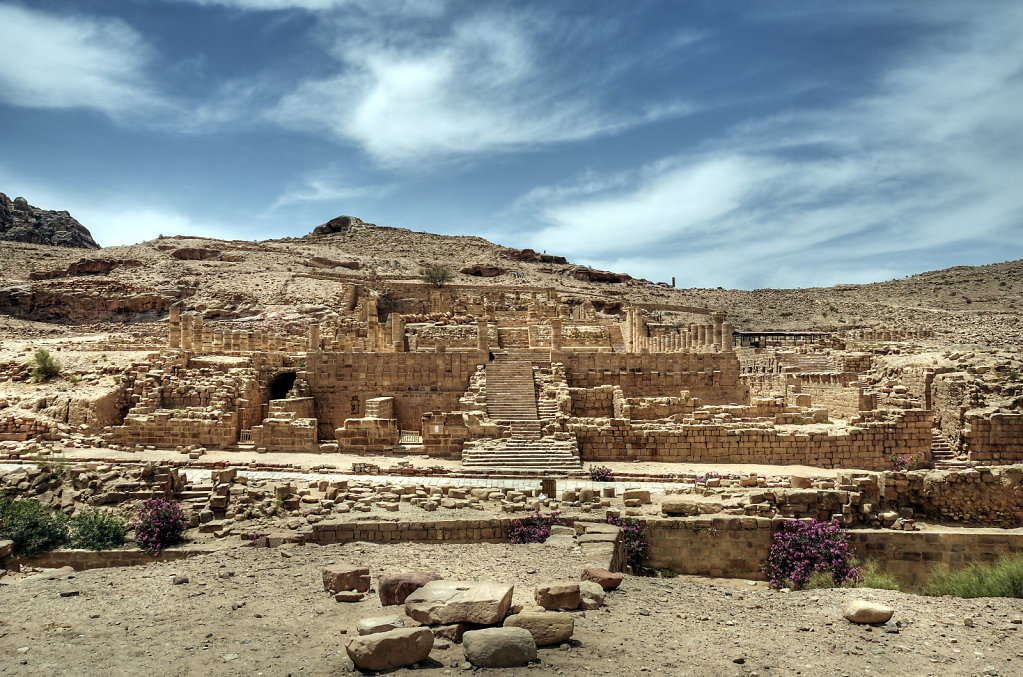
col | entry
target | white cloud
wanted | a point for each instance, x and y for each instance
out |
(410, 7)
(51, 61)
(483, 85)
(927, 164)
(327, 185)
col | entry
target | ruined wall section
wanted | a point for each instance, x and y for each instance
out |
(868, 446)
(711, 377)
(341, 383)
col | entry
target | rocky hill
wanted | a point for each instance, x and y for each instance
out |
(256, 282)
(21, 222)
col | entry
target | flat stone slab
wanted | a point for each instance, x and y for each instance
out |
(371, 626)
(447, 602)
(395, 588)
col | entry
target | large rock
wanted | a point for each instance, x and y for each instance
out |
(862, 611)
(393, 649)
(338, 578)
(636, 496)
(21, 222)
(375, 624)
(606, 579)
(560, 595)
(6, 548)
(395, 588)
(591, 595)
(499, 647)
(546, 628)
(445, 602)
(340, 224)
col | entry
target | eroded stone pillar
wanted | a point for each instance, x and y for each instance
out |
(174, 328)
(555, 333)
(185, 340)
(314, 337)
(197, 334)
(483, 337)
(717, 318)
(726, 337)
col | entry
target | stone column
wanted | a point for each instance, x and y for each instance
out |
(197, 334)
(397, 326)
(314, 337)
(726, 337)
(718, 318)
(555, 333)
(185, 340)
(701, 335)
(483, 336)
(174, 328)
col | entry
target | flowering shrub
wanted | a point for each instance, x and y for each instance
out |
(158, 523)
(802, 549)
(902, 463)
(536, 530)
(635, 544)
(702, 479)
(601, 473)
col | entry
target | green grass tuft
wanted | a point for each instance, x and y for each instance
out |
(1004, 578)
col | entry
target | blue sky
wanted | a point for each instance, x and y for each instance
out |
(759, 144)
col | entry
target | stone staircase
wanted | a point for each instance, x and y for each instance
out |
(813, 363)
(511, 401)
(943, 455)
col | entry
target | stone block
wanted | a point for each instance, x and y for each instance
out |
(559, 595)
(499, 647)
(446, 602)
(339, 578)
(392, 649)
(546, 628)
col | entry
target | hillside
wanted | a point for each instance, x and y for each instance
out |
(286, 278)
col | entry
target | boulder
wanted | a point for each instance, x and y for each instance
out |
(452, 633)
(6, 548)
(546, 628)
(195, 253)
(862, 611)
(445, 602)
(392, 649)
(481, 270)
(499, 647)
(395, 588)
(339, 578)
(559, 595)
(591, 595)
(371, 626)
(606, 579)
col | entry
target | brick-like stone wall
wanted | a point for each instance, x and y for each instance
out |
(868, 446)
(712, 377)
(736, 547)
(418, 382)
(994, 438)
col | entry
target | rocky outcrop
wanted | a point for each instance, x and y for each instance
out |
(321, 262)
(82, 300)
(483, 271)
(590, 275)
(340, 224)
(85, 267)
(530, 256)
(21, 222)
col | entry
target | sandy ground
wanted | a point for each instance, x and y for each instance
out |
(263, 612)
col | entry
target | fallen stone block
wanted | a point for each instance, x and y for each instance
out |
(559, 595)
(339, 578)
(395, 588)
(862, 611)
(392, 649)
(375, 624)
(546, 628)
(499, 647)
(591, 595)
(606, 579)
(446, 602)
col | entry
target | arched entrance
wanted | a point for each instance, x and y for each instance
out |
(281, 384)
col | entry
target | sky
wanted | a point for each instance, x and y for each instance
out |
(733, 144)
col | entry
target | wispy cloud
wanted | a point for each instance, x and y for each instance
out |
(58, 61)
(327, 185)
(483, 83)
(928, 160)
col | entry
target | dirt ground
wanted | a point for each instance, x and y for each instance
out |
(263, 611)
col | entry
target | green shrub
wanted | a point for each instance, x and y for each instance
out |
(98, 529)
(437, 274)
(44, 366)
(33, 527)
(1004, 578)
(158, 523)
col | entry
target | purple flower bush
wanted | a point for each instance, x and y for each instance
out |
(702, 479)
(802, 549)
(635, 544)
(536, 530)
(158, 523)
(601, 473)
(902, 463)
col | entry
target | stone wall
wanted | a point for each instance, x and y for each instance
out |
(712, 377)
(829, 391)
(418, 382)
(994, 438)
(868, 446)
(736, 547)
(287, 433)
(595, 402)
